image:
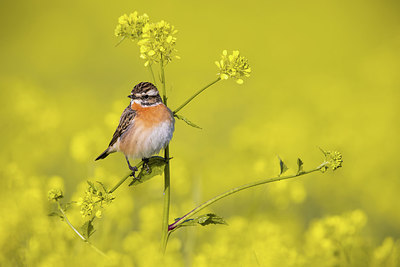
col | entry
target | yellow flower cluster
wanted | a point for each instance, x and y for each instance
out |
(94, 199)
(233, 66)
(55, 194)
(156, 40)
(333, 159)
(131, 26)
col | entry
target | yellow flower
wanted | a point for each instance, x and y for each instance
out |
(158, 40)
(334, 158)
(55, 194)
(94, 200)
(233, 66)
(131, 26)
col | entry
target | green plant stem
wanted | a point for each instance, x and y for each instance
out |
(120, 41)
(164, 91)
(167, 188)
(237, 189)
(77, 232)
(119, 184)
(124, 179)
(69, 223)
(152, 75)
(196, 94)
(167, 197)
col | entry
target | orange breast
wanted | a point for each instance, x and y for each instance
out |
(149, 116)
(136, 143)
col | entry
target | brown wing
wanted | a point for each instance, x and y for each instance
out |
(124, 123)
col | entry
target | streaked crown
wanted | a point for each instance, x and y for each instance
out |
(146, 94)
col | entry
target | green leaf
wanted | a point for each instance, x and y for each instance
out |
(203, 220)
(91, 185)
(55, 213)
(66, 206)
(102, 185)
(87, 229)
(154, 167)
(282, 167)
(187, 121)
(299, 166)
(323, 151)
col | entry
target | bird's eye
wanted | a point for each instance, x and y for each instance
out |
(145, 96)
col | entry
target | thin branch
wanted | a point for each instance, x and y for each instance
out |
(119, 184)
(77, 232)
(124, 179)
(120, 41)
(167, 178)
(235, 190)
(152, 75)
(70, 224)
(196, 94)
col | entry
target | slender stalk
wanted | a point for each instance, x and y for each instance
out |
(196, 94)
(235, 190)
(69, 223)
(164, 92)
(123, 179)
(119, 184)
(120, 41)
(167, 197)
(77, 232)
(152, 75)
(167, 188)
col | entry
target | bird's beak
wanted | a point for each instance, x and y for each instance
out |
(131, 96)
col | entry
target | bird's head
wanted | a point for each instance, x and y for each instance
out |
(145, 94)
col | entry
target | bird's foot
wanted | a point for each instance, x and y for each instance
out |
(134, 170)
(146, 164)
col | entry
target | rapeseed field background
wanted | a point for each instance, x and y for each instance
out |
(324, 74)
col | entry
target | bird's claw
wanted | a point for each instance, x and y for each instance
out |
(146, 165)
(134, 170)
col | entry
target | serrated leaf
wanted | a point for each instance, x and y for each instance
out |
(87, 229)
(282, 167)
(299, 166)
(155, 166)
(187, 121)
(203, 220)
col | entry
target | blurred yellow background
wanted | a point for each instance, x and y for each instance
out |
(324, 74)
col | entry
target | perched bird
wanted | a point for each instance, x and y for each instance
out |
(145, 127)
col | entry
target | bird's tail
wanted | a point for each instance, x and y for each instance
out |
(104, 154)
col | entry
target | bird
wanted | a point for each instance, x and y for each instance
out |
(146, 126)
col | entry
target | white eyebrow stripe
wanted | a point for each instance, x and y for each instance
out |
(152, 92)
